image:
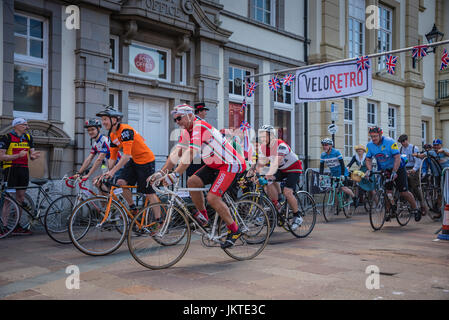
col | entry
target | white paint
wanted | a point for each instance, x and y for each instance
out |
(426, 21)
(221, 90)
(294, 16)
(266, 94)
(239, 7)
(68, 62)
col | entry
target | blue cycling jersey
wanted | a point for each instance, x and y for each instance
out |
(332, 160)
(384, 153)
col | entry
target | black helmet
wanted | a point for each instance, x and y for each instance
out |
(92, 123)
(110, 112)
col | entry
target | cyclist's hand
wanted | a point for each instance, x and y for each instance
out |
(393, 176)
(23, 153)
(154, 177)
(108, 175)
(170, 179)
(85, 178)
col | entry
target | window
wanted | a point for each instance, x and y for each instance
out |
(30, 66)
(356, 28)
(424, 132)
(392, 122)
(183, 69)
(237, 92)
(264, 11)
(372, 114)
(113, 99)
(149, 62)
(283, 95)
(349, 127)
(384, 34)
(283, 124)
(114, 52)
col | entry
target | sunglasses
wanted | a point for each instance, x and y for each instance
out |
(177, 119)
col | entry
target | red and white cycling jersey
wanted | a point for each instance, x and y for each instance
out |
(290, 161)
(215, 150)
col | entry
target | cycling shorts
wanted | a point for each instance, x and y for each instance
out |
(221, 180)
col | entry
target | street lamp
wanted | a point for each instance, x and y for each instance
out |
(434, 36)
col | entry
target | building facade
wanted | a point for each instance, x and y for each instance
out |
(63, 61)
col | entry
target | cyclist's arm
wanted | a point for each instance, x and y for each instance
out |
(397, 162)
(274, 166)
(7, 157)
(369, 163)
(86, 163)
(342, 166)
(97, 164)
(173, 158)
(186, 160)
(321, 168)
(123, 160)
(351, 162)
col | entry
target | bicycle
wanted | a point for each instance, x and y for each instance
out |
(98, 225)
(398, 208)
(12, 211)
(335, 200)
(430, 174)
(57, 216)
(159, 245)
(284, 216)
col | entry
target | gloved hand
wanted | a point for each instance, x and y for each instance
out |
(170, 179)
(393, 176)
(155, 176)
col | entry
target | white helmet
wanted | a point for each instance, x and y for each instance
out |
(267, 128)
(182, 109)
(327, 141)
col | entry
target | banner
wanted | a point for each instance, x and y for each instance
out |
(143, 61)
(335, 81)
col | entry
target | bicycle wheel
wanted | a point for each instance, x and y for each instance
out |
(377, 211)
(330, 205)
(307, 210)
(348, 205)
(90, 234)
(159, 246)
(403, 214)
(28, 203)
(266, 204)
(57, 216)
(429, 182)
(9, 217)
(255, 227)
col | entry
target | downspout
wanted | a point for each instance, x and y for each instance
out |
(306, 106)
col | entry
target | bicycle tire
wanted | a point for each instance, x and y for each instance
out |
(308, 211)
(330, 208)
(88, 235)
(265, 203)
(403, 214)
(12, 219)
(24, 220)
(154, 249)
(255, 227)
(348, 205)
(57, 216)
(377, 212)
(430, 186)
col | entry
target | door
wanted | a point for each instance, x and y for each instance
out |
(149, 116)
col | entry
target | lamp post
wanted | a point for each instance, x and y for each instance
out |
(434, 36)
(334, 117)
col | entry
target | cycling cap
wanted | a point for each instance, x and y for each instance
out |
(327, 141)
(437, 141)
(110, 112)
(375, 129)
(182, 109)
(92, 123)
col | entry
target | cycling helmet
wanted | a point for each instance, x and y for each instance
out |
(375, 129)
(267, 128)
(327, 141)
(92, 123)
(182, 109)
(110, 112)
(437, 141)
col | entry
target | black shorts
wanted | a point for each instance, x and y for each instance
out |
(17, 176)
(292, 178)
(400, 182)
(134, 173)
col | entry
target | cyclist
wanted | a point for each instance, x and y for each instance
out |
(284, 164)
(137, 160)
(412, 168)
(100, 147)
(388, 159)
(334, 160)
(222, 164)
(15, 147)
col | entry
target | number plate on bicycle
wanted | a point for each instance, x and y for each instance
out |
(325, 183)
(118, 191)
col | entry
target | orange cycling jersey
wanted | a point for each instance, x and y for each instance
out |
(132, 143)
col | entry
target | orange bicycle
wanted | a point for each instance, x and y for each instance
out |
(98, 225)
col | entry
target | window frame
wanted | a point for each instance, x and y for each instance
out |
(236, 98)
(372, 113)
(383, 30)
(34, 62)
(116, 59)
(393, 128)
(272, 13)
(349, 122)
(153, 47)
(424, 128)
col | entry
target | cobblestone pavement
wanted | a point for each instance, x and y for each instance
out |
(330, 264)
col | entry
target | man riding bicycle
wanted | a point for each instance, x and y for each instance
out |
(284, 164)
(222, 165)
(137, 161)
(388, 159)
(334, 160)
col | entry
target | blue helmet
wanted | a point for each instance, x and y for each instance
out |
(437, 141)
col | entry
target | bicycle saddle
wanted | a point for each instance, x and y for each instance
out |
(39, 182)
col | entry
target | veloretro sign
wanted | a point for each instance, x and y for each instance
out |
(334, 81)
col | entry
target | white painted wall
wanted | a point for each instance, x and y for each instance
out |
(239, 7)
(294, 16)
(221, 90)
(426, 21)
(68, 78)
(259, 38)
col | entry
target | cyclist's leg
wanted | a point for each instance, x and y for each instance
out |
(143, 171)
(290, 187)
(199, 179)
(402, 186)
(128, 177)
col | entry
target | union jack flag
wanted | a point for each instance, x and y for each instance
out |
(363, 63)
(243, 105)
(251, 89)
(391, 61)
(444, 60)
(245, 125)
(274, 84)
(419, 51)
(288, 79)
